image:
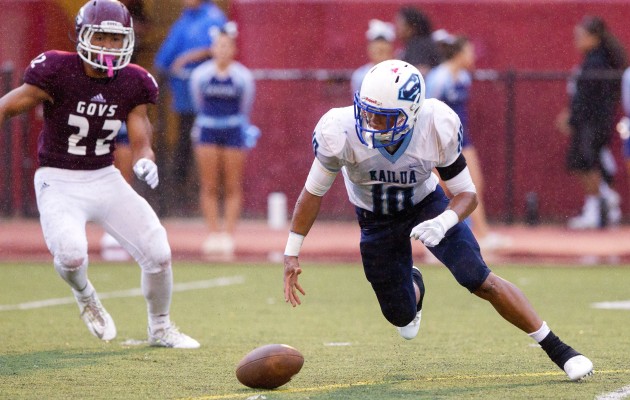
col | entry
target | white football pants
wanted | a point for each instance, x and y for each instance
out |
(68, 199)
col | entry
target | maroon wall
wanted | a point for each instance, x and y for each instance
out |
(27, 28)
(329, 34)
(523, 35)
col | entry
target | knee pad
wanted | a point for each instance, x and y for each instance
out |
(156, 252)
(397, 306)
(398, 315)
(70, 259)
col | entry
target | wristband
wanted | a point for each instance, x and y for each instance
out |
(294, 243)
(448, 219)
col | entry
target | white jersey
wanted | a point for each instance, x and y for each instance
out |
(387, 183)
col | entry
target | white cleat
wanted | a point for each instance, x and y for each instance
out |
(96, 318)
(171, 337)
(578, 367)
(410, 331)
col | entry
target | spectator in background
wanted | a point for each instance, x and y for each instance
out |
(380, 47)
(223, 93)
(450, 82)
(624, 125)
(590, 119)
(414, 29)
(188, 40)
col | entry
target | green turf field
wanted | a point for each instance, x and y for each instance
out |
(464, 350)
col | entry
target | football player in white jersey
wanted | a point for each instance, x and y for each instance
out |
(386, 147)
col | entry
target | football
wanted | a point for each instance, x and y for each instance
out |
(269, 366)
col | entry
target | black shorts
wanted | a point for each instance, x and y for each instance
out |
(586, 143)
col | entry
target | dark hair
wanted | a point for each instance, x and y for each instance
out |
(614, 50)
(417, 20)
(451, 46)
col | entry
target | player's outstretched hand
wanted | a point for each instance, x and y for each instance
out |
(291, 271)
(147, 171)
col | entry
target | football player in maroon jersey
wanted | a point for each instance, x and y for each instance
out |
(86, 97)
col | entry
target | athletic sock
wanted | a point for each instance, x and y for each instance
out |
(557, 350)
(418, 280)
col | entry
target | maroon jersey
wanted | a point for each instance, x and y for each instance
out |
(86, 113)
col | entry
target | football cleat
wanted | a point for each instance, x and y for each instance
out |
(96, 318)
(578, 367)
(410, 331)
(171, 337)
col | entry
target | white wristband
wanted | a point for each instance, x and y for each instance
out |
(448, 219)
(294, 243)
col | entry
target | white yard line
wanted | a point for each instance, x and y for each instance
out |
(177, 287)
(618, 394)
(612, 305)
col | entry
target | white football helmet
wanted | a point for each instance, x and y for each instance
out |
(393, 89)
(108, 16)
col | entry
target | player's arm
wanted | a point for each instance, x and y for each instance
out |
(457, 179)
(140, 133)
(20, 100)
(459, 183)
(306, 210)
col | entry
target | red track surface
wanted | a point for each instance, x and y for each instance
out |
(22, 240)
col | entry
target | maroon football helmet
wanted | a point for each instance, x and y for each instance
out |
(104, 16)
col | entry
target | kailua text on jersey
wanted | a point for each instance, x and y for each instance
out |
(381, 182)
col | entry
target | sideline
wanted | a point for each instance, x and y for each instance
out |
(177, 287)
(612, 305)
(618, 394)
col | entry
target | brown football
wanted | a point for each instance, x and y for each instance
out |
(269, 366)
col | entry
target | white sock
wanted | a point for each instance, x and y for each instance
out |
(541, 333)
(157, 289)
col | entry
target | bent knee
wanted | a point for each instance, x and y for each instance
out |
(399, 317)
(490, 287)
(157, 252)
(70, 260)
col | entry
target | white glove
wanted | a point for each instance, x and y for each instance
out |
(432, 231)
(147, 171)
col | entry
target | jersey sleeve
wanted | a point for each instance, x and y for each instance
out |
(329, 141)
(42, 70)
(450, 134)
(150, 90)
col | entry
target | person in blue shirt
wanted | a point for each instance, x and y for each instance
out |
(223, 91)
(186, 44)
(451, 82)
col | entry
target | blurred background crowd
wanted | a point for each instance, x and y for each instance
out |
(537, 84)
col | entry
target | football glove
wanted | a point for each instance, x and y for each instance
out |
(432, 231)
(147, 171)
